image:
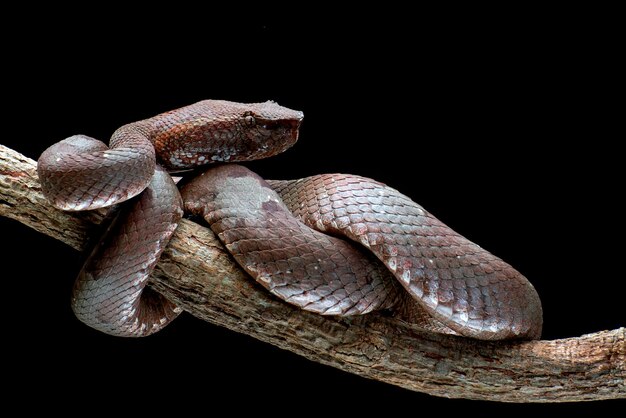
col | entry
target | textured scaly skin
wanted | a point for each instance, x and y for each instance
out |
(82, 173)
(109, 293)
(458, 287)
(456, 281)
(304, 267)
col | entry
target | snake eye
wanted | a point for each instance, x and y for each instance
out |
(249, 119)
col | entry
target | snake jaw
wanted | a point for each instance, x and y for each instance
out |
(266, 139)
(274, 129)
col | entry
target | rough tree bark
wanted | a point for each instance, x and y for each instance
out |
(198, 274)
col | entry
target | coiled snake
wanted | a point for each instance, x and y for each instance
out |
(333, 244)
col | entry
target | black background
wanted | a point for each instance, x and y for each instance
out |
(505, 128)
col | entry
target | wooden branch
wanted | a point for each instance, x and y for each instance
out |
(198, 274)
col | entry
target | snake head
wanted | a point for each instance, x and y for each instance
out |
(272, 126)
(222, 131)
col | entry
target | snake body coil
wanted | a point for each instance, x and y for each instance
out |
(277, 230)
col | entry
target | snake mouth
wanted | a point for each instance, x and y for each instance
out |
(295, 127)
(285, 130)
(292, 122)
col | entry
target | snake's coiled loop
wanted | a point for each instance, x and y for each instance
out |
(332, 244)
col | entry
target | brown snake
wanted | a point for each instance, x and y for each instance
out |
(303, 240)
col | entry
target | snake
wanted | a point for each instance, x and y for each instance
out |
(331, 244)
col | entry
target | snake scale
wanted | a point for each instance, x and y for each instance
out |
(333, 244)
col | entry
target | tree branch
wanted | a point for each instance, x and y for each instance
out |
(198, 274)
